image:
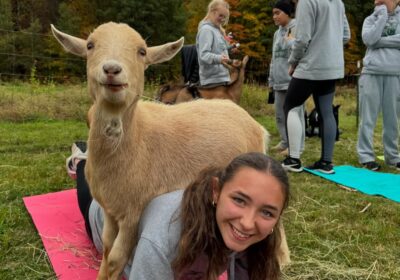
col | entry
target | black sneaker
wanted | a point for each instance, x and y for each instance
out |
(292, 164)
(371, 165)
(322, 166)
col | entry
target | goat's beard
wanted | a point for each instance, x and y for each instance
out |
(114, 131)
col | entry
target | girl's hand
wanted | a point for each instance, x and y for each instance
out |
(289, 35)
(225, 58)
(291, 70)
(380, 7)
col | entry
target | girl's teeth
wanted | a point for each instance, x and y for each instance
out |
(240, 234)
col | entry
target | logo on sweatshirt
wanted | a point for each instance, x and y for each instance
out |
(390, 27)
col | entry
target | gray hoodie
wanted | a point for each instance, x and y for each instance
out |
(381, 34)
(278, 69)
(159, 234)
(210, 45)
(321, 30)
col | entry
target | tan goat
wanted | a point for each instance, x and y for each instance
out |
(137, 150)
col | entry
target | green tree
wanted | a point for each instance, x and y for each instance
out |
(65, 65)
(156, 23)
(7, 59)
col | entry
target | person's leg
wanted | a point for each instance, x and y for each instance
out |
(298, 92)
(75, 165)
(370, 92)
(84, 196)
(301, 112)
(390, 101)
(280, 118)
(296, 131)
(323, 99)
(323, 94)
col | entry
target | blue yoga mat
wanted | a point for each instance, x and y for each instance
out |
(365, 181)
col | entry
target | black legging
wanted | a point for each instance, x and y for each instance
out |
(84, 196)
(323, 92)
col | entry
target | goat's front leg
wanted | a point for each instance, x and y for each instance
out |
(283, 251)
(122, 248)
(110, 231)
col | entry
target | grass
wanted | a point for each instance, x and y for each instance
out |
(328, 234)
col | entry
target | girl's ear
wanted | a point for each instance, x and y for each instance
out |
(215, 189)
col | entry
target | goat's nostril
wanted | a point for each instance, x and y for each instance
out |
(112, 69)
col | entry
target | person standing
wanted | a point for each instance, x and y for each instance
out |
(212, 47)
(279, 78)
(379, 84)
(316, 62)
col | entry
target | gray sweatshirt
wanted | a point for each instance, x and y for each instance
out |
(210, 45)
(159, 234)
(278, 69)
(381, 35)
(321, 30)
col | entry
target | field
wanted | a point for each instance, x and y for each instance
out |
(329, 235)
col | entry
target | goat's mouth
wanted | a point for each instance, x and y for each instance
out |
(115, 86)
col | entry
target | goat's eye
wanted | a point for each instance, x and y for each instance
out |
(142, 52)
(90, 46)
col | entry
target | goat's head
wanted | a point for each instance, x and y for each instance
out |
(116, 59)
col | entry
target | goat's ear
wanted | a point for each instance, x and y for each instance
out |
(245, 60)
(164, 52)
(70, 43)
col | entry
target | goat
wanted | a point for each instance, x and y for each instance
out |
(174, 94)
(140, 149)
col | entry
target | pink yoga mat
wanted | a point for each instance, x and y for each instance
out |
(61, 227)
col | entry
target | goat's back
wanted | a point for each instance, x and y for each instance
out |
(188, 137)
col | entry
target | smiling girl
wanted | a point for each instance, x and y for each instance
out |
(226, 221)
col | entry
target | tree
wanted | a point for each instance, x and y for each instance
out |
(64, 64)
(156, 23)
(7, 37)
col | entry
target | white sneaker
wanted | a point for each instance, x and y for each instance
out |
(79, 152)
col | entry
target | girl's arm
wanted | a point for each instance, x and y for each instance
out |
(205, 41)
(271, 65)
(305, 26)
(346, 30)
(150, 262)
(388, 42)
(373, 26)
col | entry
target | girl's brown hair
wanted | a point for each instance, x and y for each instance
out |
(200, 233)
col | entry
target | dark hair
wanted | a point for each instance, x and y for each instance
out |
(200, 233)
(287, 6)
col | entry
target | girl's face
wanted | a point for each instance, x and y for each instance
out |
(280, 18)
(390, 4)
(219, 15)
(248, 207)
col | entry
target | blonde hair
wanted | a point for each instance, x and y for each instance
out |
(213, 5)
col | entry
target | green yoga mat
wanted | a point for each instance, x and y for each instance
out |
(365, 181)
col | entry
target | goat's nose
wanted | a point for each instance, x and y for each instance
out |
(112, 68)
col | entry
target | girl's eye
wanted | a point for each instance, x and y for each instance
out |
(238, 200)
(266, 213)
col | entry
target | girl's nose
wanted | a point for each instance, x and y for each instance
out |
(248, 221)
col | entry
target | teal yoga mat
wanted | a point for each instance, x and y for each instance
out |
(365, 181)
